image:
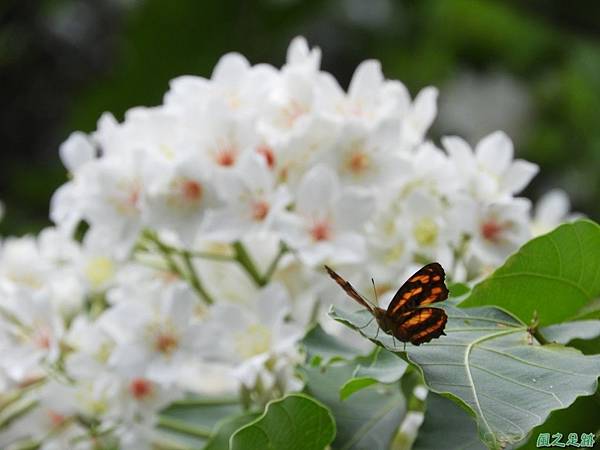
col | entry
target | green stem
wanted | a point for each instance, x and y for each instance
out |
(183, 427)
(191, 275)
(164, 249)
(243, 258)
(540, 338)
(195, 280)
(208, 401)
(283, 249)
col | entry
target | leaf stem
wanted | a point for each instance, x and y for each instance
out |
(189, 273)
(243, 258)
(195, 280)
(182, 427)
(539, 337)
(283, 249)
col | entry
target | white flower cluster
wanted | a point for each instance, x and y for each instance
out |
(208, 219)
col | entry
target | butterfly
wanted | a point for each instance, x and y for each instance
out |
(408, 317)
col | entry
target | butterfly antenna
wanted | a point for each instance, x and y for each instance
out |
(375, 291)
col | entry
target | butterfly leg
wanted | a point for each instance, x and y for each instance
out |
(377, 334)
(394, 341)
(404, 348)
(367, 324)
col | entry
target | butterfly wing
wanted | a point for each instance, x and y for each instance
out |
(347, 287)
(425, 287)
(421, 325)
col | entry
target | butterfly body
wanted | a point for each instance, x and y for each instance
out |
(408, 317)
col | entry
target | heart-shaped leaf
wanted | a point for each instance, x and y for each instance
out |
(490, 364)
(446, 423)
(556, 275)
(381, 367)
(323, 348)
(296, 422)
(369, 419)
(219, 439)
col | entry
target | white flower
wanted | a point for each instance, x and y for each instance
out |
(30, 334)
(262, 345)
(76, 151)
(364, 156)
(500, 229)
(111, 198)
(52, 421)
(489, 173)
(153, 337)
(251, 198)
(419, 117)
(21, 263)
(370, 97)
(178, 195)
(551, 210)
(327, 220)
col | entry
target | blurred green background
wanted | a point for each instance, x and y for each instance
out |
(529, 67)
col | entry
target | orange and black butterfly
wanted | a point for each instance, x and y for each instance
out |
(408, 317)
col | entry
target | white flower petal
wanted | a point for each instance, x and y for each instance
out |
(495, 152)
(366, 80)
(518, 175)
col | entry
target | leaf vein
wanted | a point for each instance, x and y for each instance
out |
(512, 380)
(529, 363)
(551, 239)
(512, 406)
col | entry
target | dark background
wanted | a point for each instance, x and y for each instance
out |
(531, 68)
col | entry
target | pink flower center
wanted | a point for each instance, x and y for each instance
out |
(166, 343)
(267, 153)
(42, 338)
(226, 156)
(260, 210)
(56, 419)
(358, 162)
(192, 190)
(321, 231)
(134, 197)
(491, 230)
(140, 388)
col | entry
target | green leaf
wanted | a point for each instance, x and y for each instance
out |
(382, 366)
(488, 363)
(323, 348)
(295, 422)
(367, 420)
(219, 439)
(190, 422)
(556, 275)
(563, 333)
(447, 425)
(580, 417)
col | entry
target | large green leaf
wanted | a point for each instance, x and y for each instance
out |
(219, 439)
(381, 367)
(447, 425)
(580, 417)
(563, 333)
(190, 422)
(323, 348)
(296, 422)
(489, 363)
(556, 275)
(367, 420)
